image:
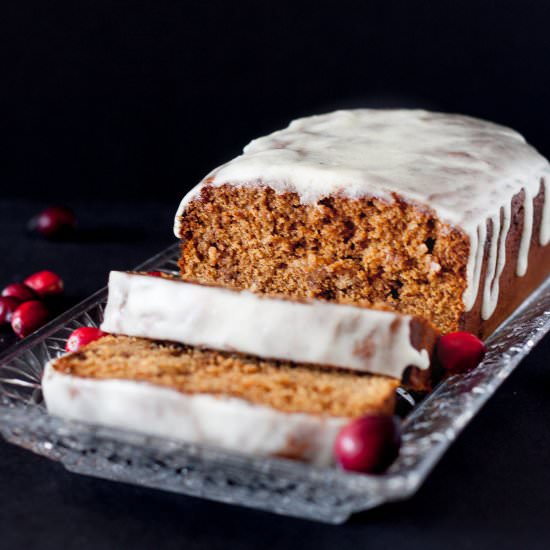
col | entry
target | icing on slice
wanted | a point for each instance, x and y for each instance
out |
(227, 422)
(314, 332)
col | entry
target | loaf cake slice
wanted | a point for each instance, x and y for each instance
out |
(435, 215)
(309, 332)
(234, 401)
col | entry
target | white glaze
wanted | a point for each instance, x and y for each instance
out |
(497, 258)
(227, 422)
(544, 236)
(313, 332)
(526, 233)
(465, 169)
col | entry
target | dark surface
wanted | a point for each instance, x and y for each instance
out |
(108, 97)
(491, 490)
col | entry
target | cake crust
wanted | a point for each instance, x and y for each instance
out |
(515, 289)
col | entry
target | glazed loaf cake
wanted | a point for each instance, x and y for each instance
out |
(308, 332)
(435, 215)
(237, 402)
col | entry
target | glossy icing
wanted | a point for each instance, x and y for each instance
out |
(313, 332)
(467, 170)
(227, 422)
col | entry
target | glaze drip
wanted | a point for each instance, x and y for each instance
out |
(545, 222)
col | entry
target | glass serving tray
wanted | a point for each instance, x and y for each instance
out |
(274, 484)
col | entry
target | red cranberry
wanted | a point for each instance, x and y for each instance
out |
(460, 352)
(7, 306)
(82, 336)
(368, 444)
(20, 292)
(45, 283)
(155, 273)
(28, 317)
(54, 222)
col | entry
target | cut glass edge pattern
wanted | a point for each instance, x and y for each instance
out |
(273, 484)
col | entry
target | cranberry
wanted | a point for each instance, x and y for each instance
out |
(460, 352)
(20, 292)
(155, 273)
(54, 222)
(82, 336)
(368, 444)
(45, 283)
(7, 306)
(28, 317)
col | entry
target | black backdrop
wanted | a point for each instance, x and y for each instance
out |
(101, 98)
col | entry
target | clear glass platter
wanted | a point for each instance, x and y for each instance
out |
(277, 485)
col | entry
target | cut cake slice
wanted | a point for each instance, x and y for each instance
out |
(237, 402)
(309, 332)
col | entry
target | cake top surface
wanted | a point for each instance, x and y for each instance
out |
(462, 167)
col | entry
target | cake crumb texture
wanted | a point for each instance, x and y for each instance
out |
(363, 251)
(281, 385)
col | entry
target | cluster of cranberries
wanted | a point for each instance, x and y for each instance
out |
(371, 443)
(22, 304)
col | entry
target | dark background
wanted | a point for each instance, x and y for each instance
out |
(116, 108)
(104, 99)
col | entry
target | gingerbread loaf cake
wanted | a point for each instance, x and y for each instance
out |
(307, 332)
(440, 216)
(237, 402)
